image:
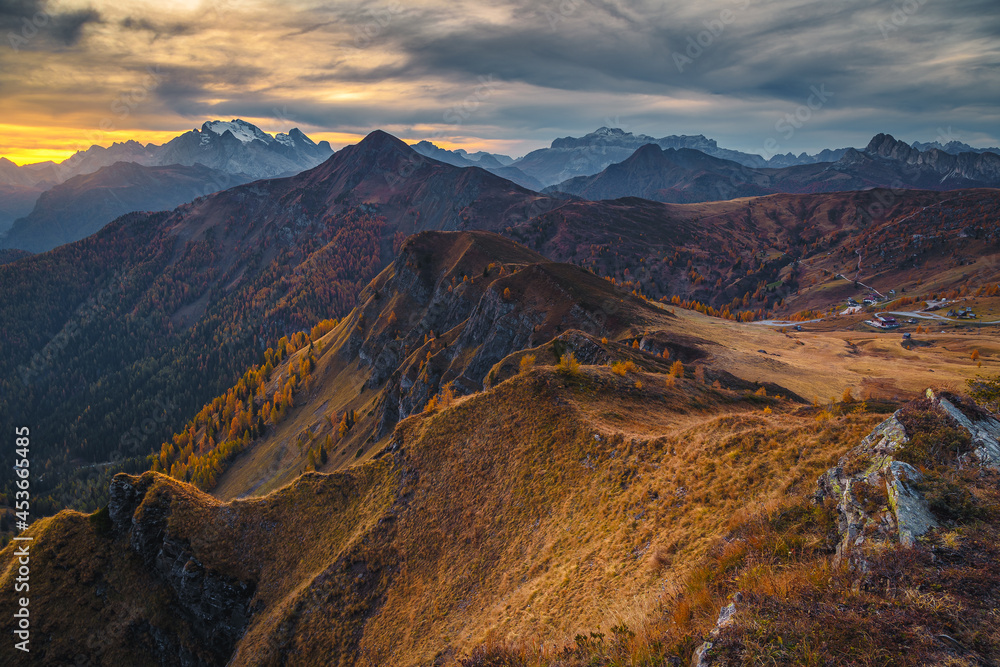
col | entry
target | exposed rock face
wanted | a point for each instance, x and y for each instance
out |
(981, 167)
(878, 496)
(451, 308)
(216, 607)
(875, 494)
(984, 429)
(727, 616)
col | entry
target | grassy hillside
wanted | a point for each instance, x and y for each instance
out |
(548, 507)
(102, 337)
(535, 468)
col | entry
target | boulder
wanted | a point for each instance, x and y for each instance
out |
(878, 496)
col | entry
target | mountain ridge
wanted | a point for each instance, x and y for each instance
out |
(265, 260)
(553, 501)
(885, 162)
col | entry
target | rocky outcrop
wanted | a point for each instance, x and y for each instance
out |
(451, 307)
(216, 607)
(875, 494)
(981, 167)
(982, 426)
(878, 495)
(727, 616)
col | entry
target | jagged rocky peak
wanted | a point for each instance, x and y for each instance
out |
(607, 136)
(887, 146)
(890, 488)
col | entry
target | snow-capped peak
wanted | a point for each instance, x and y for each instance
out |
(242, 130)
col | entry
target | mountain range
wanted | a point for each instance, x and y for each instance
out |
(81, 205)
(687, 175)
(202, 290)
(607, 163)
(515, 460)
(495, 164)
(236, 151)
(569, 157)
(393, 411)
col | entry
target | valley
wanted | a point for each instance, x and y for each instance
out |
(441, 419)
(538, 467)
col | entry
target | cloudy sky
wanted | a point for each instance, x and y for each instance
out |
(507, 75)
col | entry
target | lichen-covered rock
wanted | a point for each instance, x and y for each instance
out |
(878, 495)
(874, 493)
(913, 517)
(983, 427)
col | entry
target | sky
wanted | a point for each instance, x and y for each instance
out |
(506, 76)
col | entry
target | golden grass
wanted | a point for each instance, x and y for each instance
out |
(826, 363)
(546, 507)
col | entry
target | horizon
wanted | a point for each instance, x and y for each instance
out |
(504, 79)
(339, 140)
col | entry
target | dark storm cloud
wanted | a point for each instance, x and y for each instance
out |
(729, 69)
(919, 60)
(186, 90)
(156, 29)
(24, 22)
(770, 50)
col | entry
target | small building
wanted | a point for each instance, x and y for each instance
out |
(883, 321)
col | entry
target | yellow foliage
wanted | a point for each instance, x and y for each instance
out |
(447, 396)
(527, 363)
(623, 367)
(568, 364)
